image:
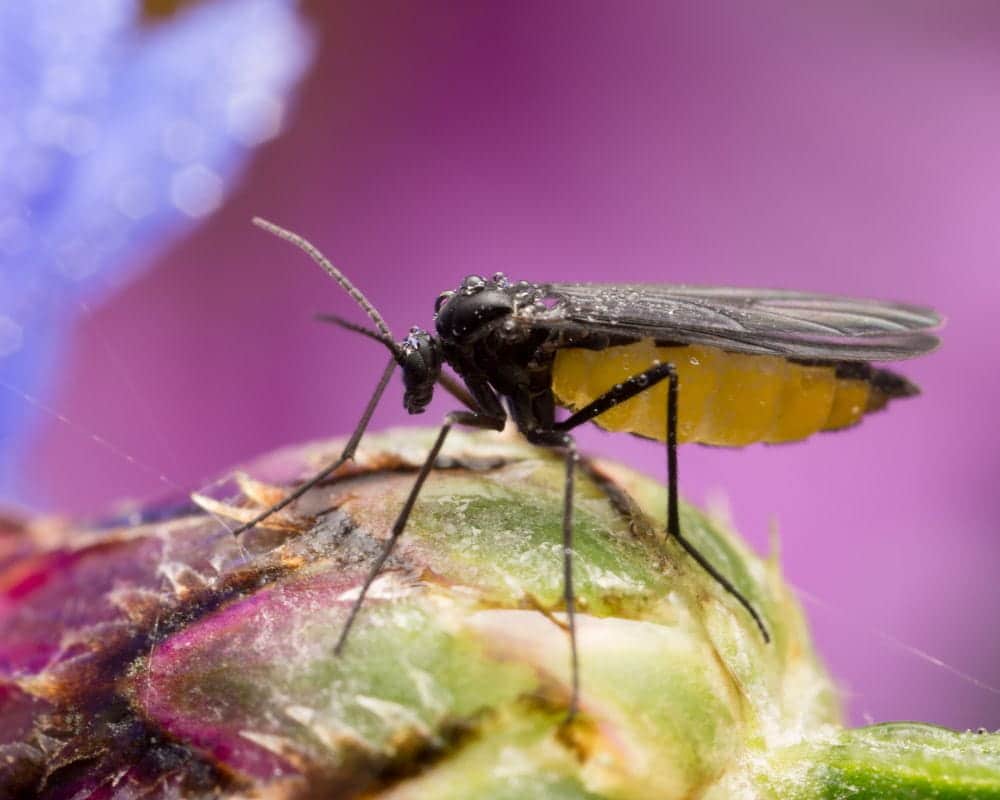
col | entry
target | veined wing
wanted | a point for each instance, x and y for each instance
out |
(765, 321)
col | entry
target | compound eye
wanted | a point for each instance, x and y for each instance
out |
(443, 298)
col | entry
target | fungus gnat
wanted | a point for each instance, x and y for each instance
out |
(713, 365)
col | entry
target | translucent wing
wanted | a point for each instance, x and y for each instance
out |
(794, 324)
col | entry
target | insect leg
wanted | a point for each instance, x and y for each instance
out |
(467, 418)
(619, 394)
(673, 514)
(566, 443)
(456, 390)
(625, 390)
(568, 595)
(347, 454)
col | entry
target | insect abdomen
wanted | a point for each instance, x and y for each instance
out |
(728, 399)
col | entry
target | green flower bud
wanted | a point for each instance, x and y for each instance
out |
(177, 661)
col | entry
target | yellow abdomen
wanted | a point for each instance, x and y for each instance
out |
(724, 398)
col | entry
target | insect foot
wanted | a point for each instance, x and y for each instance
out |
(158, 657)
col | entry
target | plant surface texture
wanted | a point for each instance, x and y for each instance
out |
(155, 656)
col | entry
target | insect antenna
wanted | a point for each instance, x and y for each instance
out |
(383, 334)
(353, 326)
(313, 252)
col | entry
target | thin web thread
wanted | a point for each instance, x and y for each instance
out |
(921, 655)
(113, 448)
(122, 375)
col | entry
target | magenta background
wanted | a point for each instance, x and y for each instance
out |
(844, 149)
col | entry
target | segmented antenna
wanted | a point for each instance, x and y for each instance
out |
(313, 252)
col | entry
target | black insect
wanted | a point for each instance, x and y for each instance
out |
(674, 363)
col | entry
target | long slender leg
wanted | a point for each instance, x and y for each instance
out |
(623, 391)
(568, 595)
(467, 418)
(348, 453)
(619, 394)
(673, 513)
(566, 443)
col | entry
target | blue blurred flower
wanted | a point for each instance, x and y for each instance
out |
(117, 134)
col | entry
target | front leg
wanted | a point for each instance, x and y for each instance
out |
(327, 471)
(471, 419)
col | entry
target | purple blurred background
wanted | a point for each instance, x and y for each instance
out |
(831, 147)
